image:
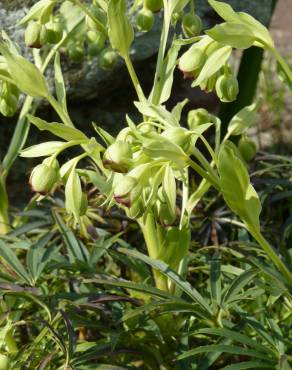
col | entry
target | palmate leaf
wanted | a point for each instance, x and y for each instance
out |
(173, 276)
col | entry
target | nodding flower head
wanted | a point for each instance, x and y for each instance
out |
(127, 191)
(118, 157)
(44, 176)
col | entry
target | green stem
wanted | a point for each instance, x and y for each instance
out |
(134, 78)
(204, 174)
(149, 231)
(163, 43)
(60, 111)
(271, 254)
(286, 69)
(10, 342)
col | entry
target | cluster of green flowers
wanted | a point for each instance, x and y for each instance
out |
(42, 27)
(223, 81)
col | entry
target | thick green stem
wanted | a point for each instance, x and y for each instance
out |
(60, 111)
(149, 230)
(272, 254)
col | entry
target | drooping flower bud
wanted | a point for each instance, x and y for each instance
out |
(197, 117)
(32, 35)
(44, 35)
(227, 87)
(192, 60)
(153, 5)
(54, 32)
(179, 136)
(76, 52)
(8, 105)
(127, 191)
(247, 148)
(44, 176)
(96, 42)
(191, 24)
(118, 156)
(145, 20)
(108, 58)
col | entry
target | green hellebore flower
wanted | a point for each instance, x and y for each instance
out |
(44, 176)
(76, 52)
(8, 105)
(108, 58)
(32, 35)
(127, 191)
(227, 88)
(153, 5)
(44, 35)
(247, 148)
(117, 157)
(54, 32)
(191, 61)
(197, 117)
(191, 24)
(145, 20)
(4, 362)
(179, 136)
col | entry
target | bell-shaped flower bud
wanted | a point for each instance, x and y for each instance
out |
(247, 148)
(227, 87)
(32, 35)
(127, 191)
(76, 52)
(54, 32)
(197, 117)
(96, 41)
(191, 24)
(44, 35)
(192, 60)
(153, 5)
(8, 105)
(118, 157)
(44, 176)
(179, 136)
(145, 20)
(108, 58)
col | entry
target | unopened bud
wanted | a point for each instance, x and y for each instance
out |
(153, 5)
(32, 35)
(127, 191)
(179, 136)
(191, 24)
(118, 156)
(145, 20)
(192, 59)
(247, 148)
(43, 178)
(227, 88)
(108, 58)
(197, 117)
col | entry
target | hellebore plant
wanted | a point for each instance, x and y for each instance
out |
(145, 170)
